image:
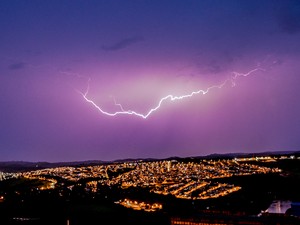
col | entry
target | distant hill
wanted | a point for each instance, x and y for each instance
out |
(21, 166)
(257, 154)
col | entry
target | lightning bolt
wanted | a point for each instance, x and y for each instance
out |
(171, 98)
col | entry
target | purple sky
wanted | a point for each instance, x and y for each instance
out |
(137, 52)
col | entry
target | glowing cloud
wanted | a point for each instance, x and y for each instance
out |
(171, 98)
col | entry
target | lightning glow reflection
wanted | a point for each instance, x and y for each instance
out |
(170, 97)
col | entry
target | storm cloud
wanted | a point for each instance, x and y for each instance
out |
(124, 43)
(17, 66)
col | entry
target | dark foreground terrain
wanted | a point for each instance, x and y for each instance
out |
(23, 202)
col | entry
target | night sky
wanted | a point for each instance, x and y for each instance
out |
(134, 53)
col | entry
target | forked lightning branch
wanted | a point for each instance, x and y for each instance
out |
(171, 98)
